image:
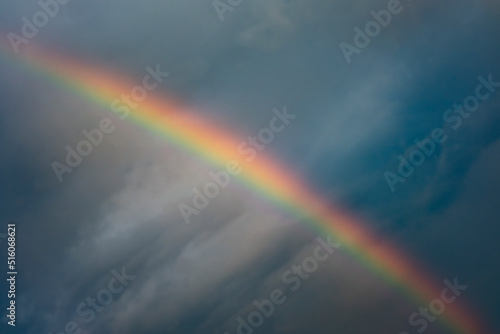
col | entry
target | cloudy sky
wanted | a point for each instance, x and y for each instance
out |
(106, 249)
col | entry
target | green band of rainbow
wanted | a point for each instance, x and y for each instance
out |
(262, 175)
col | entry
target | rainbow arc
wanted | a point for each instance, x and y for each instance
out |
(263, 175)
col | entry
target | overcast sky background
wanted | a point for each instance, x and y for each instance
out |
(118, 209)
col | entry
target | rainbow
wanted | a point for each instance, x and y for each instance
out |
(263, 175)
